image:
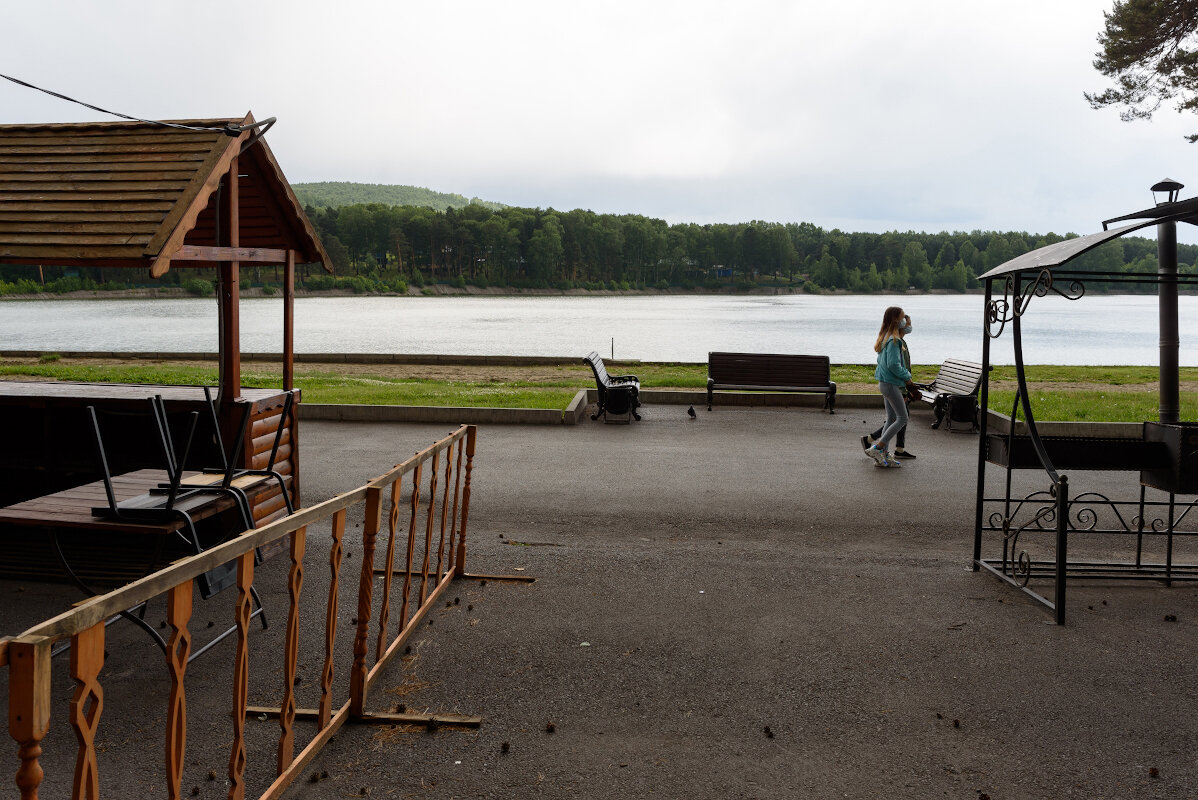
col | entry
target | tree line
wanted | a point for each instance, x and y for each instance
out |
(376, 247)
(544, 248)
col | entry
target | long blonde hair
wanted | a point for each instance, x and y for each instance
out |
(891, 321)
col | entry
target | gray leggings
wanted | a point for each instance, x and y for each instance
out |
(896, 412)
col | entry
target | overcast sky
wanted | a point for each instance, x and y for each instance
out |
(866, 116)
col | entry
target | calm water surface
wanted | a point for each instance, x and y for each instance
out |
(1111, 329)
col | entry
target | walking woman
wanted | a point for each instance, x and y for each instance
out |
(894, 376)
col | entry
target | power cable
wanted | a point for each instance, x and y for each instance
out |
(228, 129)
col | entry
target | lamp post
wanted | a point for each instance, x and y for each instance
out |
(1163, 193)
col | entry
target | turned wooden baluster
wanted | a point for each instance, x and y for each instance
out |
(178, 649)
(241, 675)
(444, 513)
(87, 659)
(325, 710)
(428, 527)
(457, 496)
(407, 581)
(389, 569)
(471, 435)
(370, 528)
(29, 706)
(295, 582)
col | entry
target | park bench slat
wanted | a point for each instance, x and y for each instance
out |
(957, 381)
(771, 372)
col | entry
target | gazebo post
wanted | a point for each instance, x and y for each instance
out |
(230, 289)
(289, 322)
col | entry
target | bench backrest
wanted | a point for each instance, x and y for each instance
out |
(596, 362)
(958, 377)
(769, 369)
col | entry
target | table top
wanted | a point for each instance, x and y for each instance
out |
(68, 393)
(72, 508)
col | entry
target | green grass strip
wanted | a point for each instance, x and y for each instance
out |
(321, 387)
(1092, 403)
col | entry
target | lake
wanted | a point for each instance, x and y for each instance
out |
(1098, 329)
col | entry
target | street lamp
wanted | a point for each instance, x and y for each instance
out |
(1166, 257)
(1166, 191)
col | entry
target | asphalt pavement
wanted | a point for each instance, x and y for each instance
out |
(735, 606)
(742, 605)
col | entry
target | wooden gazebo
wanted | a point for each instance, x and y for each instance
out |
(152, 196)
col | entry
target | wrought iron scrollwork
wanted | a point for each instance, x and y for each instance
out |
(1021, 570)
(1013, 304)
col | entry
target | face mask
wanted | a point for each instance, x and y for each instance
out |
(906, 327)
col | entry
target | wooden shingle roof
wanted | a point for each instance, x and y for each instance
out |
(135, 194)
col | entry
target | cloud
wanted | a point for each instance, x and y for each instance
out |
(866, 115)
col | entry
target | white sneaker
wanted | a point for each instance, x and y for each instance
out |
(877, 455)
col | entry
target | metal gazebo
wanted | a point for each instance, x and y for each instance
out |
(1164, 453)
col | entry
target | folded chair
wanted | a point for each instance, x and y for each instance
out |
(171, 502)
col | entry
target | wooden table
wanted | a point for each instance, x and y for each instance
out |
(72, 510)
(49, 443)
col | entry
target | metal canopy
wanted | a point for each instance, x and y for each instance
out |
(1055, 255)
(1163, 453)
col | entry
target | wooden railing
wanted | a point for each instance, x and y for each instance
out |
(436, 538)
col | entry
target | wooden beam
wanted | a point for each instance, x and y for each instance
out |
(383, 717)
(253, 255)
(289, 324)
(230, 289)
(96, 261)
(194, 199)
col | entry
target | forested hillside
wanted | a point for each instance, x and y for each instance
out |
(378, 247)
(554, 249)
(334, 194)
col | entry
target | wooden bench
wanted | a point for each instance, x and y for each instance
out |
(954, 392)
(771, 372)
(618, 394)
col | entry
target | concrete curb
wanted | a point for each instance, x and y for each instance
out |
(697, 397)
(457, 416)
(572, 414)
(453, 415)
(329, 358)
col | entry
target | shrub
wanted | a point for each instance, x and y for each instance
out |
(459, 282)
(199, 287)
(269, 290)
(357, 284)
(71, 284)
(662, 284)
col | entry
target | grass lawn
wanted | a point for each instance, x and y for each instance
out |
(320, 386)
(1101, 393)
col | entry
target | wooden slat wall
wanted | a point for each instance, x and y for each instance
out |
(263, 223)
(264, 422)
(99, 192)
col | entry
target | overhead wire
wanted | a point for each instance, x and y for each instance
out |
(229, 129)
